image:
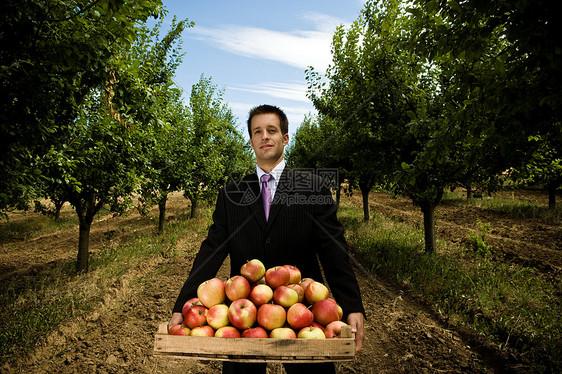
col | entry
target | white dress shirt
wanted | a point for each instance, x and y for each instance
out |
(275, 173)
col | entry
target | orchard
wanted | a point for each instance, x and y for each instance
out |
(262, 303)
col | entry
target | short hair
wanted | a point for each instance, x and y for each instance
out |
(267, 109)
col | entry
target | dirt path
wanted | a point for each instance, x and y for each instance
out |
(117, 337)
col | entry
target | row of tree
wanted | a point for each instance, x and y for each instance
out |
(425, 95)
(91, 114)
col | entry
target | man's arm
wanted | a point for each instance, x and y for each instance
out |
(333, 253)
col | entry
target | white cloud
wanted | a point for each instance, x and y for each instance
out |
(291, 91)
(299, 48)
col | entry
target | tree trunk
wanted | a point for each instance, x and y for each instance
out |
(468, 192)
(365, 195)
(338, 194)
(86, 208)
(194, 208)
(83, 244)
(552, 195)
(365, 185)
(428, 210)
(162, 212)
(58, 206)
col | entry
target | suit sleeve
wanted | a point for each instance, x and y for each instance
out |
(210, 257)
(333, 253)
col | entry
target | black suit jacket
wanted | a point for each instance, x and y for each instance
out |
(302, 229)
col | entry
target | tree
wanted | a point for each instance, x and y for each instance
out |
(216, 149)
(371, 92)
(109, 145)
(53, 54)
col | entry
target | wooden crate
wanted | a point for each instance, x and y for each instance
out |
(255, 349)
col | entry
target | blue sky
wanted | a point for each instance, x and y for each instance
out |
(257, 51)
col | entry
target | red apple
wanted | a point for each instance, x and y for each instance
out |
(253, 270)
(316, 291)
(188, 304)
(305, 282)
(261, 294)
(203, 331)
(333, 329)
(311, 332)
(326, 311)
(227, 332)
(300, 291)
(294, 273)
(179, 330)
(195, 316)
(255, 332)
(236, 288)
(242, 314)
(283, 333)
(217, 316)
(277, 276)
(211, 292)
(285, 296)
(271, 316)
(299, 316)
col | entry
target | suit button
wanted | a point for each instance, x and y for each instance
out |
(268, 240)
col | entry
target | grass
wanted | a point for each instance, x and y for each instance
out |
(32, 226)
(515, 306)
(34, 305)
(507, 203)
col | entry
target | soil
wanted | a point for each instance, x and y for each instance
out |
(403, 335)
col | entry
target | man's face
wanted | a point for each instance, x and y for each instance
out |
(267, 141)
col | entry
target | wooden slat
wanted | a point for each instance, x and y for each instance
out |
(254, 349)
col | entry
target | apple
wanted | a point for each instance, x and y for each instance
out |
(211, 292)
(316, 291)
(305, 282)
(285, 296)
(326, 311)
(196, 316)
(271, 316)
(300, 291)
(237, 287)
(299, 316)
(311, 332)
(316, 324)
(179, 330)
(277, 276)
(188, 304)
(261, 294)
(203, 331)
(242, 314)
(283, 333)
(294, 273)
(333, 329)
(255, 332)
(253, 270)
(227, 332)
(217, 316)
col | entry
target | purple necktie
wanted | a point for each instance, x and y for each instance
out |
(266, 194)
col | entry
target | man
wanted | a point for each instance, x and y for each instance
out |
(298, 228)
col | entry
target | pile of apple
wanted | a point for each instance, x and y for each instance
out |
(260, 303)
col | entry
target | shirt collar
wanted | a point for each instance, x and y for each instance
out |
(275, 173)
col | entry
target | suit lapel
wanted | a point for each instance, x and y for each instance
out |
(256, 208)
(284, 186)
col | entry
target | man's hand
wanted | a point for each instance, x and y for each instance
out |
(355, 320)
(177, 319)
